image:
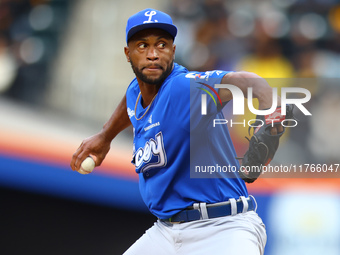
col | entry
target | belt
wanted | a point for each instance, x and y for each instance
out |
(208, 211)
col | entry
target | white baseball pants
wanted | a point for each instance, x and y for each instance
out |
(240, 234)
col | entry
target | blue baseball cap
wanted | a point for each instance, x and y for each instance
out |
(149, 18)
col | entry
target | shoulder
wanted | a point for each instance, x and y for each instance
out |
(131, 97)
(189, 80)
(133, 87)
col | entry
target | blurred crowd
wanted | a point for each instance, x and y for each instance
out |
(29, 39)
(273, 38)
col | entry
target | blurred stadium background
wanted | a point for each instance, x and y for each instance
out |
(63, 71)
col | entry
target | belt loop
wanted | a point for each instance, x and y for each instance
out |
(245, 204)
(204, 212)
(197, 207)
(254, 202)
(233, 206)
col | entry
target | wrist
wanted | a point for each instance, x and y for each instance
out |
(106, 134)
(265, 97)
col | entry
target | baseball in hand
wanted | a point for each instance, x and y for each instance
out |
(87, 166)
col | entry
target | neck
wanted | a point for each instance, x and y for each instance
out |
(148, 92)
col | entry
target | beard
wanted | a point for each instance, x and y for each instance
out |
(150, 80)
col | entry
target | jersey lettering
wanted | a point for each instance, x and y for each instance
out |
(191, 75)
(152, 155)
(130, 112)
(202, 76)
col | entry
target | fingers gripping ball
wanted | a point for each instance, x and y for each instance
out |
(87, 166)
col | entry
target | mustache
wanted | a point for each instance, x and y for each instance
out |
(153, 65)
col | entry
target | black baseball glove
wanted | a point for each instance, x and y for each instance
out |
(262, 145)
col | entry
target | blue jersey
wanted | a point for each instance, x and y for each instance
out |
(174, 137)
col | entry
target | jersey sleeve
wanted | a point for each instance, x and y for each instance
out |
(194, 99)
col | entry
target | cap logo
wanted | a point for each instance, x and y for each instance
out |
(150, 14)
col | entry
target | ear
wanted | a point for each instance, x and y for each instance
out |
(174, 50)
(127, 53)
